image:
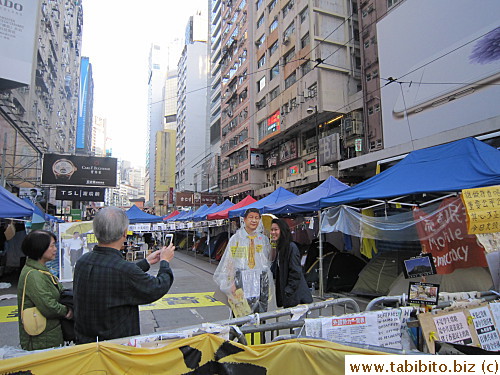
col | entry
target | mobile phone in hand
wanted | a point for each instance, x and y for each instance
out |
(168, 239)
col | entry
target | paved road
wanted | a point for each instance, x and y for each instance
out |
(189, 301)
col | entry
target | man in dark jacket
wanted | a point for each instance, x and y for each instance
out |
(108, 290)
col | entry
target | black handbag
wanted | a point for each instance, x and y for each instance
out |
(67, 325)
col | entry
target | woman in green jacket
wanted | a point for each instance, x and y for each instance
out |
(43, 291)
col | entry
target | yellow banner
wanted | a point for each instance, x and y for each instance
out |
(204, 354)
(8, 314)
(483, 209)
(179, 301)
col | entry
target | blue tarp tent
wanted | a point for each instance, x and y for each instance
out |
(199, 211)
(309, 201)
(136, 215)
(12, 206)
(279, 195)
(182, 216)
(200, 215)
(464, 164)
(223, 206)
(39, 216)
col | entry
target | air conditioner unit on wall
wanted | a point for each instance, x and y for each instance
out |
(358, 116)
(357, 127)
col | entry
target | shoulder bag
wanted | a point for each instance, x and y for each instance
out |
(34, 322)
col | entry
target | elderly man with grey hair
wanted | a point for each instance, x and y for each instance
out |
(108, 290)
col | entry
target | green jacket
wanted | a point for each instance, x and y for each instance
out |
(42, 291)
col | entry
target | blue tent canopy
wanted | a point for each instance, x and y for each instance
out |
(200, 214)
(279, 195)
(309, 201)
(12, 206)
(464, 164)
(136, 215)
(223, 206)
(183, 216)
(198, 211)
(40, 215)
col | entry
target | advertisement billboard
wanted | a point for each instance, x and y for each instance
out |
(71, 170)
(441, 83)
(17, 41)
(82, 103)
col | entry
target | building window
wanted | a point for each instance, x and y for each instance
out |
(274, 93)
(374, 40)
(273, 48)
(258, 4)
(261, 103)
(367, 44)
(305, 41)
(290, 80)
(273, 25)
(261, 40)
(287, 8)
(377, 107)
(289, 30)
(261, 84)
(275, 71)
(260, 21)
(370, 110)
(368, 77)
(391, 3)
(375, 73)
(272, 5)
(304, 15)
(305, 68)
(261, 62)
(289, 56)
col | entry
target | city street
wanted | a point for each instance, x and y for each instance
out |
(189, 301)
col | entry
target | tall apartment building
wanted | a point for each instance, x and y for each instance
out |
(158, 61)
(165, 144)
(41, 116)
(99, 136)
(418, 90)
(191, 104)
(290, 81)
(85, 109)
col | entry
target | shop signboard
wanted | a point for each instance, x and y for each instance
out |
(77, 193)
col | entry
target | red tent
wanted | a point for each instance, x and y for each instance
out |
(175, 213)
(225, 213)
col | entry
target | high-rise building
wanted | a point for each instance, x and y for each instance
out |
(290, 78)
(41, 116)
(418, 90)
(158, 61)
(85, 109)
(192, 125)
(99, 136)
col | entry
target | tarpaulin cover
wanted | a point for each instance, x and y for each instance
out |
(39, 216)
(464, 164)
(191, 214)
(171, 215)
(12, 206)
(203, 354)
(223, 206)
(182, 216)
(225, 213)
(309, 201)
(279, 195)
(136, 215)
(201, 214)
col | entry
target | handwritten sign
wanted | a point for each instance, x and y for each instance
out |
(483, 209)
(444, 235)
(453, 328)
(485, 328)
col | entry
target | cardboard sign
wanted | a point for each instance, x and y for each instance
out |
(483, 209)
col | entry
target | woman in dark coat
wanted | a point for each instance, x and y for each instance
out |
(291, 286)
(43, 291)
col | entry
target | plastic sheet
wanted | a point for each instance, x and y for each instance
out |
(244, 275)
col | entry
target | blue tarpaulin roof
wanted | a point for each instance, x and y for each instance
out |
(309, 201)
(12, 206)
(464, 164)
(224, 205)
(200, 215)
(39, 216)
(136, 215)
(279, 195)
(192, 213)
(183, 216)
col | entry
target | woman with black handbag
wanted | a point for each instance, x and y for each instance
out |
(38, 295)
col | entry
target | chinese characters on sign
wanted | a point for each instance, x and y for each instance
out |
(483, 209)
(70, 193)
(453, 328)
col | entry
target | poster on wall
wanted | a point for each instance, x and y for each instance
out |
(288, 150)
(75, 239)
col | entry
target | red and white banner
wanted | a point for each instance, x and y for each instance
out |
(444, 234)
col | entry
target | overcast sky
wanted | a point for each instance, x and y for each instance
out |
(117, 36)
